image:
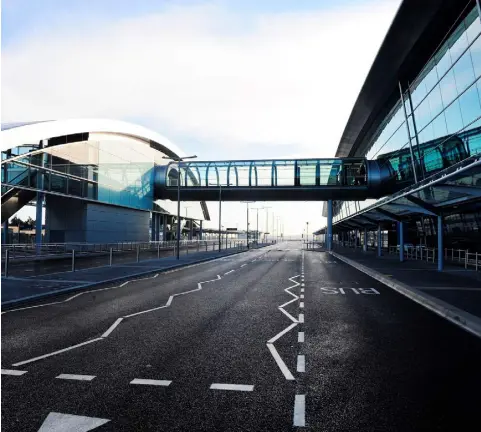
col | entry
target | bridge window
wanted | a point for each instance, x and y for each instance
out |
(307, 172)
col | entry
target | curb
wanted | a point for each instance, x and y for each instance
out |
(459, 317)
(48, 294)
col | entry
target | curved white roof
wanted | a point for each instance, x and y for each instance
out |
(15, 134)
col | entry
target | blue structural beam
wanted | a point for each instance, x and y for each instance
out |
(400, 227)
(440, 244)
(329, 225)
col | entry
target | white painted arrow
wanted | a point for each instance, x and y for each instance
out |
(58, 422)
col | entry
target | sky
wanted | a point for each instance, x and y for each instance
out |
(222, 79)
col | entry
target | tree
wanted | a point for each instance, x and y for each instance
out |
(15, 221)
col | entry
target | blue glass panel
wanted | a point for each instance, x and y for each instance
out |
(470, 106)
(454, 118)
(464, 72)
(439, 126)
(475, 50)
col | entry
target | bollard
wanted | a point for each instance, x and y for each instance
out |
(7, 259)
(111, 256)
(138, 253)
(73, 260)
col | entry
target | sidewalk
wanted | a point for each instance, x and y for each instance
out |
(455, 290)
(19, 289)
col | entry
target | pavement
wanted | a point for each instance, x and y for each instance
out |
(47, 264)
(455, 285)
(272, 339)
(55, 278)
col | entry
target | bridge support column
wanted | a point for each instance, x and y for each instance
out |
(379, 240)
(191, 229)
(40, 201)
(440, 244)
(153, 226)
(329, 225)
(400, 227)
(200, 230)
(164, 227)
(364, 245)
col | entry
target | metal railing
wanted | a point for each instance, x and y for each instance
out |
(27, 254)
(462, 256)
(32, 250)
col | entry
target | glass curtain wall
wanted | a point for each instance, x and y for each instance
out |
(443, 107)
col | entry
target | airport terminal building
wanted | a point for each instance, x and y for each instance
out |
(419, 115)
(92, 181)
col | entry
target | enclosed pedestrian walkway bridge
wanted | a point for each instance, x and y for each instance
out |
(274, 180)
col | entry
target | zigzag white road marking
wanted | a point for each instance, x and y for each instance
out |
(79, 294)
(109, 331)
(270, 343)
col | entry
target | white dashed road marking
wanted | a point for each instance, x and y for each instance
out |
(141, 381)
(300, 410)
(232, 387)
(301, 363)
(300, 337)
(301, 318)
(76, 377)
(13, 372)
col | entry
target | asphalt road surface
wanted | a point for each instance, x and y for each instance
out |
(268, 340)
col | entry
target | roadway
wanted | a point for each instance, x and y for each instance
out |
(223, 346)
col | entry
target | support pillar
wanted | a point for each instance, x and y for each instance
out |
(5, 232)
(200, 230)
(364, 246)
(153, 226)
(400, 227)
(191, 229)
(164, 227)
(440, 244)
(329, 225)
(379, 241)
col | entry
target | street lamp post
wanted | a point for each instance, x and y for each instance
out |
(178, 160)
(247, 231)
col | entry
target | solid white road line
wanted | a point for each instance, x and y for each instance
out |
(141, 381)
(112, 327)
(300, 337)
(13, 372)
(301, 363)
(234, 387)
(243, 265)
(301, 318)
(76, 377)
(282, 333)
(288, 315)
(301, 305)
(56, 352)
(300, 410)
(282, 366)
(145, 311)
(231, 271)
(289, 302)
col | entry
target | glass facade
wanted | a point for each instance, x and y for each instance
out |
(103, 167)
(443, 109)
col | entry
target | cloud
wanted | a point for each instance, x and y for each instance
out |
(282, 81)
